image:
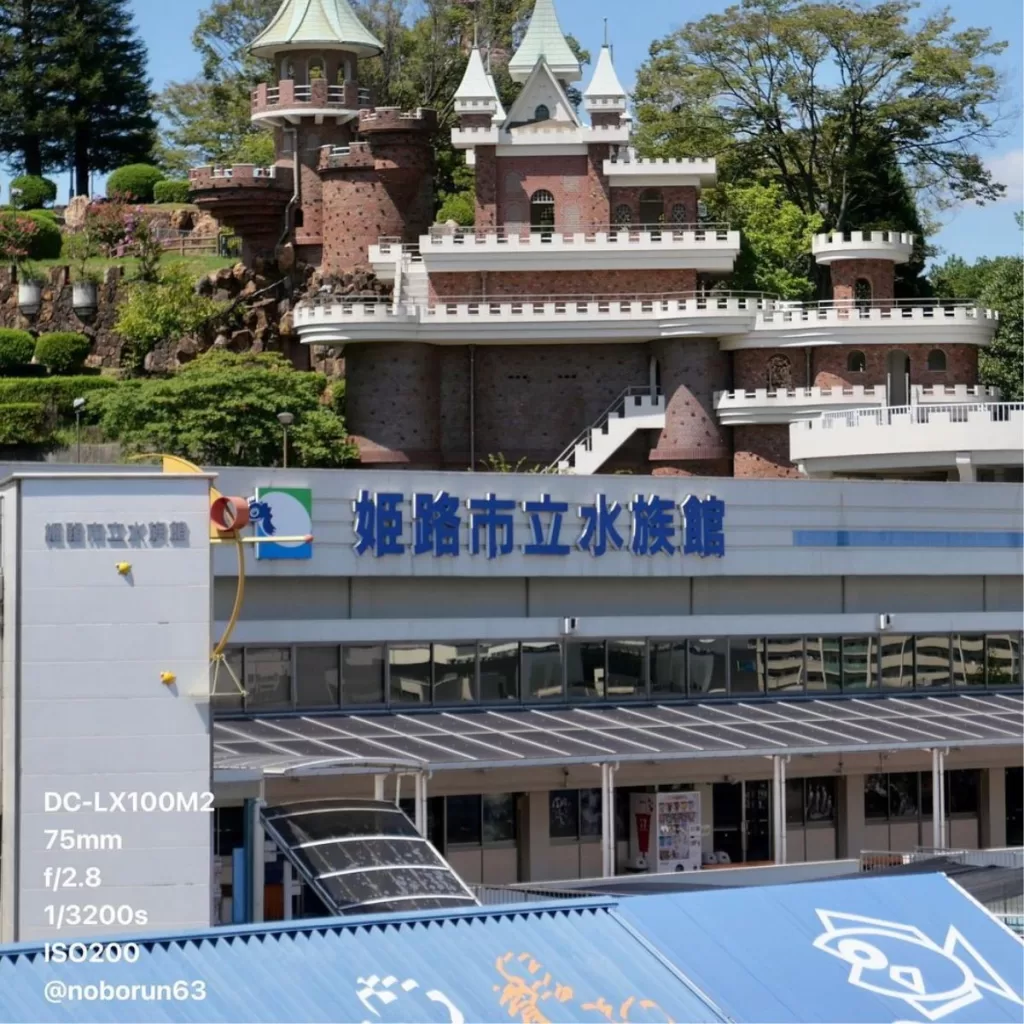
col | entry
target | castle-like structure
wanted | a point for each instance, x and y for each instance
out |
(583, 323)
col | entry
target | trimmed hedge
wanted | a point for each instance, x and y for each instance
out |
(63, 352)
(48, 240)
(16, 348)
(30, 192)
(134, 182)
(171, 190)
(56, 393)
(24, 423)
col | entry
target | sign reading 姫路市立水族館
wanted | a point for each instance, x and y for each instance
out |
(283, 512)
(443, 524)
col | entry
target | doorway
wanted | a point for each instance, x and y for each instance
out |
(898, 369)
(742, 820)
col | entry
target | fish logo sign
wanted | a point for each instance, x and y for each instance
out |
(902, 962)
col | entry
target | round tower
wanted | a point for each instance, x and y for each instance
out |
(862, 263)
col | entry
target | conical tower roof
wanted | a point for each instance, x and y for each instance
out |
(315, 25)
(605, 81)
(475, 84)
(544, 38)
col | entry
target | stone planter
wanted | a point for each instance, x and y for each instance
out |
(30, 297)
(83, 298)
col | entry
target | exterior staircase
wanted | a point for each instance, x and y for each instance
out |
(637, 408)
(412, 285)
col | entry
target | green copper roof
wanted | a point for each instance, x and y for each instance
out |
(315, 24)
(544, 38)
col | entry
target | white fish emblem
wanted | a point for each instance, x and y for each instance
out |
(902, 962)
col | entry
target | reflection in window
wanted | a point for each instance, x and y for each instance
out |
(876, 797)
(542, 670)
(746, 664)
(563, 813)
(454, 673)
(362, 674)
(860, 662)
(463, 816)
(784, 664)
(855, 362)
(706, 665)
(316, 677)
(1002, 659)
(499, 671)
(904, 800)
(824, 663)
(409, 667)
(932, 661)
(499, 818)
(668, 668)
(268, 677)
(626, 675)
(820, 800)
(585, 671)
(968, 660)
(590, 813)
(897, 660)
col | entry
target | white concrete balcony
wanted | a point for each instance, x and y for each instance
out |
(626, 170)
(881, 321)
(707, 247)
(899, 438)
(763, 405)
(529, 319)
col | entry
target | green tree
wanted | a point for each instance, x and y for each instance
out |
(776, 238)
(821, 96)
(221, 409)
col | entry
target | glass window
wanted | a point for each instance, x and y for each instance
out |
(585, 671)
(542, 670)
(794, 801)
(268, 677)
(746, 664)
(936, 360)
(499, 671)
(563, 813)
(876, 797)
(1002, 659)
(855, 362)
(931, 655)
(435, 818)
(590, 812)
(542, 209)
(820, 800)
(824, 663)
(860, 662)
(904, 800)
(541, 112)
(668, 668)
(784, 664)
(963, 787)
(968, 660)
(897, 659)
(316, 677)
(463, 820)
(409, 666)
(229, 677)
(626, 673)
(454, 673)
(705, 665)
(362, 674)
(499, 818)
(228, 830)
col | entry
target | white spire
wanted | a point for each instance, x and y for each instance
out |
(544, 38)
(475, 84)
(499, 113)
(605, 92)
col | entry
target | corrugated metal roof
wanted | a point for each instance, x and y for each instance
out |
(557, 962)
(877, 949)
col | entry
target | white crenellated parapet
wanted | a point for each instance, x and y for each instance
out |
(785, 405)
(626, 169)
(892, 246)
(929, 394)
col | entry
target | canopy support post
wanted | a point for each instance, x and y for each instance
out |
(608, 819)
(420, 797)
(779, 808)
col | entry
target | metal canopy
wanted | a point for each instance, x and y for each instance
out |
(504, 737)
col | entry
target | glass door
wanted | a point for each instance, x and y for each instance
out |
(742, 820)
(758, 825)
(727, 818)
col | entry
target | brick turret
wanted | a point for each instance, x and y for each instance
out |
(862, 263)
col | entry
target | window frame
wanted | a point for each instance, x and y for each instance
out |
(856, 356)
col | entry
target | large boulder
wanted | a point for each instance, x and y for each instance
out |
(76, 212)
(182, 220)
(205, 226)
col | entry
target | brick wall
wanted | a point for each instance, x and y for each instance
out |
(880, 273)
(568, 180)
(830, 365)
(768, 367)
(685, 196)
(562, 282)
(762, 451)
(486, 187)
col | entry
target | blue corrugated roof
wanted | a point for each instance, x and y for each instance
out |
(867, 949)
(570, 961)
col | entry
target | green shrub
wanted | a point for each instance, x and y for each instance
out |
(16, 348)
(47, 242)
(57, 394)
(63, 352)
(134, 182)
(171, 190)
(30, 192)
(24, 423)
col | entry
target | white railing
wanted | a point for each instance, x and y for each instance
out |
(880, 311)
(918, 415)
(375, 310)
(801, 396)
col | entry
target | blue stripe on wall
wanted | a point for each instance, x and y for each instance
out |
(907, 539)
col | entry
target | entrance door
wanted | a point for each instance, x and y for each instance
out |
(742, 820)
(899, 378)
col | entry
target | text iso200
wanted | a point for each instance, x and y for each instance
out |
(90, 952)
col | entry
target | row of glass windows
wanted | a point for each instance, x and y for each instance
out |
(427, 674)
(903, 796)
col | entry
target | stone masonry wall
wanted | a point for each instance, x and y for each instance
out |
(521, 283)
(844, 273)
(762, 451)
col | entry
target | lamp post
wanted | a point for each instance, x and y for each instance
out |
(286, 419)
(78, 405)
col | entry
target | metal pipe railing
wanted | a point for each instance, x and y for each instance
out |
(886, 415)
(584, 437)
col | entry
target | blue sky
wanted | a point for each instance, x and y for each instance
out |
(968, 231)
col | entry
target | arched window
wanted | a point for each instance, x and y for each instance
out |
(862, 292)
(780, 373)
(652, 206)
(541, 113)
(623, 215)
(936, 359)
(855, 362)
(679, 214)
(542, 210)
